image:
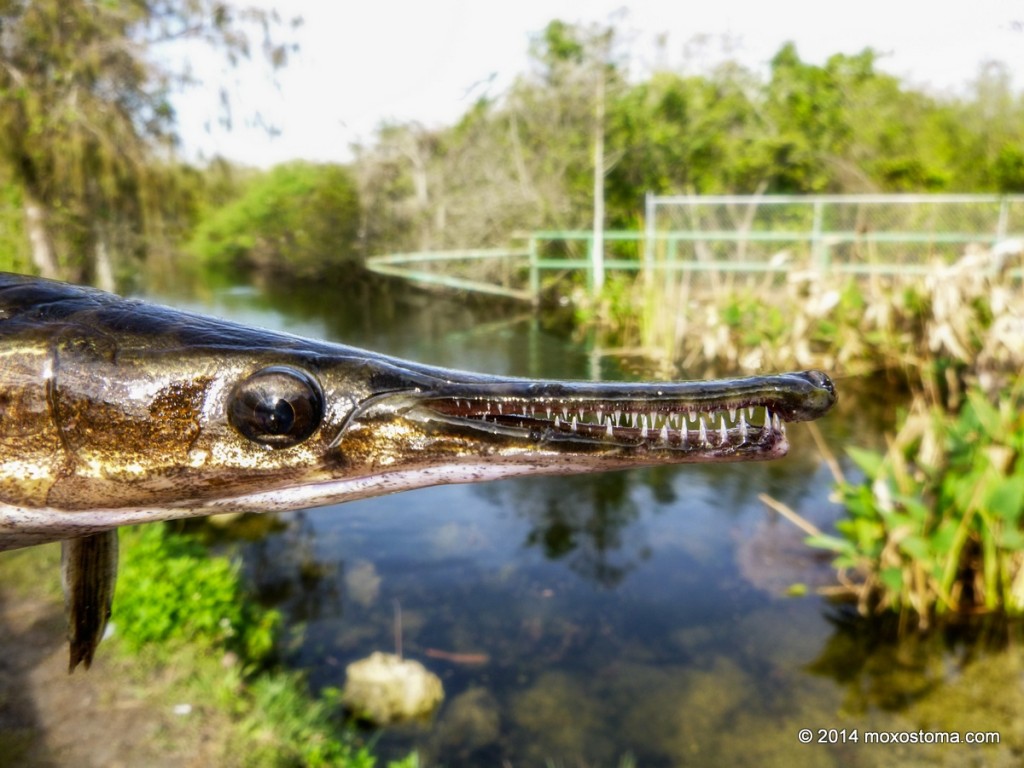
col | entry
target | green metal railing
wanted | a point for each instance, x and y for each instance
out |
(778, 235)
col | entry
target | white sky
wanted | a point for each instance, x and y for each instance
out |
(365, 61)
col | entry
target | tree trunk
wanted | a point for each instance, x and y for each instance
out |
(104, 274)
(43, 257)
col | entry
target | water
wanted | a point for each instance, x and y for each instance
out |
(584, 620)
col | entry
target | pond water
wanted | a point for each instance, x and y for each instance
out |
(597, 620)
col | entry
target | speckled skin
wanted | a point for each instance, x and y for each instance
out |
(113, 412)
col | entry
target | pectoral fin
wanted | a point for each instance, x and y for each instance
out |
(89, 573)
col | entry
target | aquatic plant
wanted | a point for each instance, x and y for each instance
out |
(935, 529)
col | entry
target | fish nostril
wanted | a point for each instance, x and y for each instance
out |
(819, 379)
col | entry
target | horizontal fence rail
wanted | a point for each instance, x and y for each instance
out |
(774, 235)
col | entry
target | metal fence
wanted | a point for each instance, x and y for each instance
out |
(763, 237)
(889, 234)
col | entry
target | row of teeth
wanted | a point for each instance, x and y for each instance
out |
(674, 425)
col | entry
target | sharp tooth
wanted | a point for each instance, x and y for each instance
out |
(608, 428)
(500, 409)
(618, 417)
(673, 420)
(722, 431)
(524, 410)
(565, 413)
(732, 414)
(750, 411)
(743, 426)
(600, 416)
(776, 422)
(643, 428)
(690, 416)
(548, 411)
(664, 433)
(573, 425)
(633, 417)
(558, 422)
(684, 434)
(703, 433)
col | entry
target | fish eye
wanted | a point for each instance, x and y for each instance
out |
(277, 406)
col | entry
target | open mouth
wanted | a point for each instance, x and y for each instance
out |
(668, 422)
(621, 423)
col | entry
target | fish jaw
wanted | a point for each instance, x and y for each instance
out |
(570, 427)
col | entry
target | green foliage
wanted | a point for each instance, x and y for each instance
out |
(936, 527)
(85, 114)
(525, 160)
(281, 726)
(14, 252)
(299, 218)
(172, 591)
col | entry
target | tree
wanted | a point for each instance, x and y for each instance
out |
(85, 112)
(298, 219)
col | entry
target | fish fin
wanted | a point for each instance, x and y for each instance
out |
(89, 574)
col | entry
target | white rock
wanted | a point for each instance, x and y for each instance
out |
(384, 688)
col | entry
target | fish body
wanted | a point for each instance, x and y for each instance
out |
(116, 411)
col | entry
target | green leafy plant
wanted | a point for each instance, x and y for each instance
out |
(936, 527)
(172, 591)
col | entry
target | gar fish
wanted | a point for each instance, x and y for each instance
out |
(115, 412)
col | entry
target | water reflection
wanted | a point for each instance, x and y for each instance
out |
(582, 521)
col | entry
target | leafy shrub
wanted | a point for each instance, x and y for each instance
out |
(936, 527)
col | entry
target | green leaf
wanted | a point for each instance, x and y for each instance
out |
(987, 415)
(870, 462)
(1011, 539)
(1004, 498)
(892, 578)
(917, 547)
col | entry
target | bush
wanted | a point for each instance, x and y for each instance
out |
(936, 528)
(298, 219)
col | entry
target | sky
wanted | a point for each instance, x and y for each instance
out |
(363, 63)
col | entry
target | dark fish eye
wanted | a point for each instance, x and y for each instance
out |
(277, 406)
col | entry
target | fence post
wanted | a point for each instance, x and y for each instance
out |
(534, 269)
(819, 250)
(1004, 216)
(596, 261)
(649, 230)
